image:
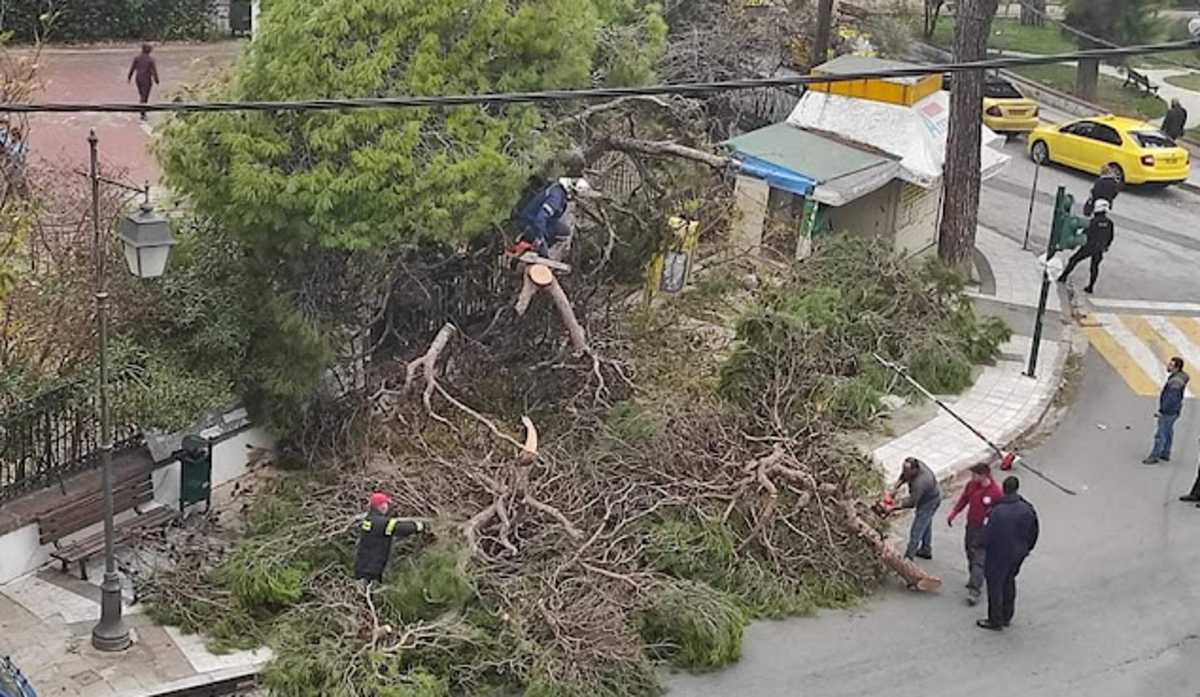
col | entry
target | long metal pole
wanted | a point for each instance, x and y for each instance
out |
(1037, 170)
(1036, 346)
(110, 633)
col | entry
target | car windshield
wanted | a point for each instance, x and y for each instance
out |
(1153, 139)
(999, 89)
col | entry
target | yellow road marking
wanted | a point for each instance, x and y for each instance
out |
(1189, 326)
(1149, 336)
(1125, 365)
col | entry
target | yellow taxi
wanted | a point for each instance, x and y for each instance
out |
(1137, 152)
(1006, 110)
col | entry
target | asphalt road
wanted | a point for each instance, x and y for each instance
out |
(1157, 239)
(1107, 605)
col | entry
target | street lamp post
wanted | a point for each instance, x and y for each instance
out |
(148, 241)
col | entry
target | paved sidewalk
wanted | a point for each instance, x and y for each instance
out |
(1003, 403)
(46, 621)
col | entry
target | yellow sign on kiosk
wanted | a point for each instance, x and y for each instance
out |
(668, 271)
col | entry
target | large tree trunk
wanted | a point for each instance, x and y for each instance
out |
(1033, 13)
(960, 208)
(1087, 76)
(820, 47)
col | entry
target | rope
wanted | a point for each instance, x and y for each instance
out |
(549, 96)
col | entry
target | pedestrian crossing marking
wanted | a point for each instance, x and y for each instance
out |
(1138, 347)
(1121, 361)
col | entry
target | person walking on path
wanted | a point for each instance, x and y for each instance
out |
(1175, 122)
(978, 497)
(1170, 404)
(924, 495)
(1099, 239)
(375, 536)
(1010, 535)
(146, 71)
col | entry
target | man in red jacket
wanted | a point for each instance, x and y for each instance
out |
(978, 497)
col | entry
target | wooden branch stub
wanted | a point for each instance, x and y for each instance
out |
(530, 451)
(541, 275)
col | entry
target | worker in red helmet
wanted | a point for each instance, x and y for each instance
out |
(375, 536)
(978, 497)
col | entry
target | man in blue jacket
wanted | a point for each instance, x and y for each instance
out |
(542, 218)
(1010, 535)
(1170, 404)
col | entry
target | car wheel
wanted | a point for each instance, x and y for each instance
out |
(1117, 171)
(1040, 152)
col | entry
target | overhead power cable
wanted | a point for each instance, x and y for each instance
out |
(503, 98)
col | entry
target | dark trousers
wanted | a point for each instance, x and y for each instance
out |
(1085, 252)
(1002, 591)
(976, 554)
(143, 95)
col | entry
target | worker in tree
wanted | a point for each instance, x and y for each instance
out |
(545, 227)
(375, 536)
(924, 495)
(1099, 239)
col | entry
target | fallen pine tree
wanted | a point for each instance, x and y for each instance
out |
(689, 470)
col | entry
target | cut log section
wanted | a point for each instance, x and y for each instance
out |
(533, 259)
(915, 576)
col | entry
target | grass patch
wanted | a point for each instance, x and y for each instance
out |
(1110, 94)
(1009, 35)
(1191, 81)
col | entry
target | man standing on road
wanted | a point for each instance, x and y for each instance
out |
(1105, 188)
(1170, 404)
(1099, 239)
(980, 494)
(1010, 535)
(925, 496)
(1175, 122)
(147, 74)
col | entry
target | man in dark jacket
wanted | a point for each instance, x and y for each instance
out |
(1104, 188)
(147, 74)
(1010, 535)
(1175, 122)
(1170, 404)
(543, 219)
(978, 497)
(925, 496)
(375, 536)
(1099, 239)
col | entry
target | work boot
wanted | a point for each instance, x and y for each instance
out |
(925, 554)
(1061, 279)
(973, 598)
(1150, 461)
(988, 624)
(1190, 498)
(1089, 290)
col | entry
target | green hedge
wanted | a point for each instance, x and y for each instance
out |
(101, 20)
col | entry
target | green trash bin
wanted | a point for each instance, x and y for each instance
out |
(195, 472)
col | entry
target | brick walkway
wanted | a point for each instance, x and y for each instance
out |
(97, 75)
(46, 621)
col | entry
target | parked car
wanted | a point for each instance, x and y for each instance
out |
(1005, 109)
(12, 681)
(1138, 152)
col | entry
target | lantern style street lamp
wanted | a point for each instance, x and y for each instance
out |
(147, 241)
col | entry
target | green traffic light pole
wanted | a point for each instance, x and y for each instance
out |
(1051, 249)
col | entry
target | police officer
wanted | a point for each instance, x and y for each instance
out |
(1099, 239)
(375, 536)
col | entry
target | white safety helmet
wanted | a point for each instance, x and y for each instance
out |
(1100, 206)
(577, 187)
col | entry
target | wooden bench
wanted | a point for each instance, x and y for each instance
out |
(1138, 80)
(81, 513)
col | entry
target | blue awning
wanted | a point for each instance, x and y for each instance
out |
(778, 177)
